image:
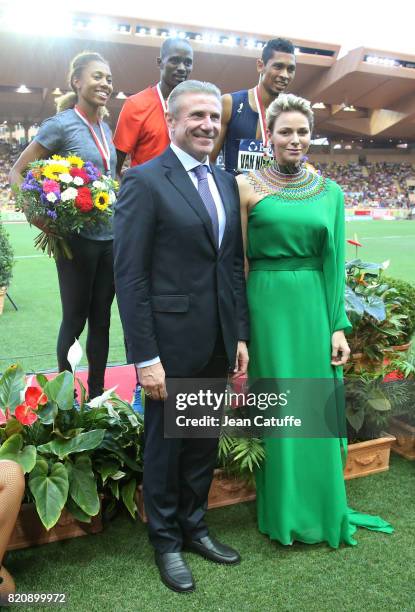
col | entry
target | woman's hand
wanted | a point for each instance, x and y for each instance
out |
(340, 352)
(41, 223)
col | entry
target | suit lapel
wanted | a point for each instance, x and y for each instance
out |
(178, 177)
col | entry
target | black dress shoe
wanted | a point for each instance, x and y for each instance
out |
(212, 549)
(174, 572)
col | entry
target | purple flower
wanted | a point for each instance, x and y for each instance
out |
(30, 184)
(52, 214)
(92, 171)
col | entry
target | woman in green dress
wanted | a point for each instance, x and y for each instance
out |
(293, 224)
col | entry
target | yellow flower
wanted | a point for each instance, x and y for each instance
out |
(102, 200)
(52, 171)
(75, 161)
(57, 157)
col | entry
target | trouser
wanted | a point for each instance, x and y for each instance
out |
(178, 472)
(86, 285)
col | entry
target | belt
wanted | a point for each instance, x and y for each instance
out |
(286, 263)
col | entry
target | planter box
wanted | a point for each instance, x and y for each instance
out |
(405, 438)
(223, 492)
(29, 530)
(363, 459)
(370, 457)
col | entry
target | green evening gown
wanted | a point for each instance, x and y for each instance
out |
(295, 247)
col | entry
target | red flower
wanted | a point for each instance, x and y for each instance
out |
(83, 200)
(80, 172)
(394, 375)
(25, 415)
(35, 397)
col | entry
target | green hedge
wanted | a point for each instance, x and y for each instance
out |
(407, 295)
(6, 258)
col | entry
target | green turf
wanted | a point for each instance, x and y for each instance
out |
(382, 240)
(115, 570)
(29, 335)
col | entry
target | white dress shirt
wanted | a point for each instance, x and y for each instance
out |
(189, 163)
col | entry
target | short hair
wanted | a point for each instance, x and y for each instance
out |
(277, 44)
(191, 87)
(169, 43)
(286, 103)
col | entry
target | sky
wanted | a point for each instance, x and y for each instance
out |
(378, 25)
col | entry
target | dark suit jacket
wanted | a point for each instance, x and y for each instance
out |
(175, 289)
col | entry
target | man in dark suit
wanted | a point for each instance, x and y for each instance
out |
(181, 295)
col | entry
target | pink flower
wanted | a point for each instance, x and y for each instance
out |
(5, 417)
(50, 186)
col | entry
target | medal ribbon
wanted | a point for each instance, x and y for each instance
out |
(162, 100)
(261, 113)
(103, 147)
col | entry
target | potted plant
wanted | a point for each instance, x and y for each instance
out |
(71, 454)
(368, 412)
(406, 292)
(377, 312)
(402, 424)
(6, 264)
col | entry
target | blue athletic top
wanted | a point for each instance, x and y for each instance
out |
(243, 124)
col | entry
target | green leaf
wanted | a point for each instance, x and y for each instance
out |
(12, 383)
(50, 490)
(76, 511)
(114, 488)
(47, 413)
(380, 404)
(108, 468)
(355, 417)
(42, 380)
(82, 442)
(109, 444)
(61, 390)
(83, 486)
(13, 449)
(127, 494)
(13, 427)
(118, 475)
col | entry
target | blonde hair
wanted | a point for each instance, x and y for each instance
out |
(286, 103)
(78, 64)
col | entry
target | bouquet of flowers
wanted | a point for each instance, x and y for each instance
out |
(64, 195)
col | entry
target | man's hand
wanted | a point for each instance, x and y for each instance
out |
(340, 349)
(242, 359)
(153, 380)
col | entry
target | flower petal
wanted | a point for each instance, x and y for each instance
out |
(25, 415)
(33, 396)
(75, 355)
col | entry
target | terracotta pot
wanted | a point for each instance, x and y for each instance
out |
(400, 348)
(223, 492)
(404, 433)
(3, 291)
(29, 530)
(369, 457)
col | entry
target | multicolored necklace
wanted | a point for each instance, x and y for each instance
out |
(301, 185)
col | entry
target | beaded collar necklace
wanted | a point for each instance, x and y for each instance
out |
(300, 185)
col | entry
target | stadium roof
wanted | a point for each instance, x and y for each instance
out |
(368, 93)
